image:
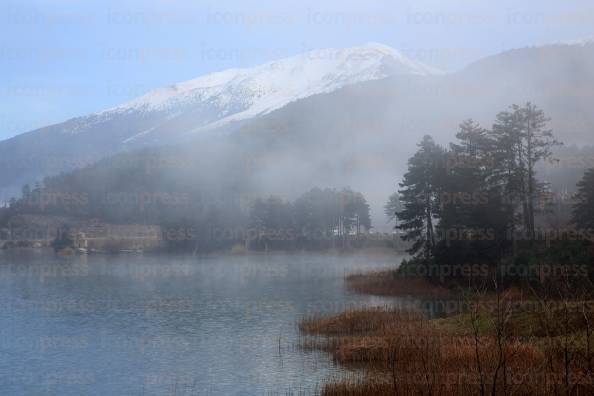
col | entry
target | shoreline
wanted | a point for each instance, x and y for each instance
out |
(480, 349)
(373, 251)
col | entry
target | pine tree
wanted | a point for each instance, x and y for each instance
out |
(393, 206)
(539, 142)
(583, 209)
(420, 196)
(474, 218)
(361, 213)
(521, 141)
(507, 174)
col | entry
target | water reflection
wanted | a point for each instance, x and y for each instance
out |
(161, 325)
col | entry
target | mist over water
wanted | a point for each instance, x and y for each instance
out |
(359, 198)
(155, 325)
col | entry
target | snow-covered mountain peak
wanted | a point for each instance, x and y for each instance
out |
(237, 94)
(579, 42)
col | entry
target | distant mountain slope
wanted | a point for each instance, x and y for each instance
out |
(182, 110)
(324, 134)
(240, 94)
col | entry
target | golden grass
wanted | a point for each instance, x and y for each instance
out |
(357, 321)
(401, 353)
(388, 283)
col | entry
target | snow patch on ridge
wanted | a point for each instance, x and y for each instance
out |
(232, 95)
(258, 90)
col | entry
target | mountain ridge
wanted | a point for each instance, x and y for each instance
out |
(239, 94)
(556, 78)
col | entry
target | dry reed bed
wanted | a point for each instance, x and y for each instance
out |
(471, 354)
(389, 283)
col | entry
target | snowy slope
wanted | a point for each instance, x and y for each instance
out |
(398, 110)
(217, 102)
(240, 94)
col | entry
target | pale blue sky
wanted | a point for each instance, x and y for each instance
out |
(64, 58)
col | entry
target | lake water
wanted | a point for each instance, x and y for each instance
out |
(168, 325)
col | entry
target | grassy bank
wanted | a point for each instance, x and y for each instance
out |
(391, 283)
(506, 343)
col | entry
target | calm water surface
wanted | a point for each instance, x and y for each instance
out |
(168, 325)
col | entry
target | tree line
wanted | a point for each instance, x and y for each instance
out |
(319, 214)
(479, 200)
